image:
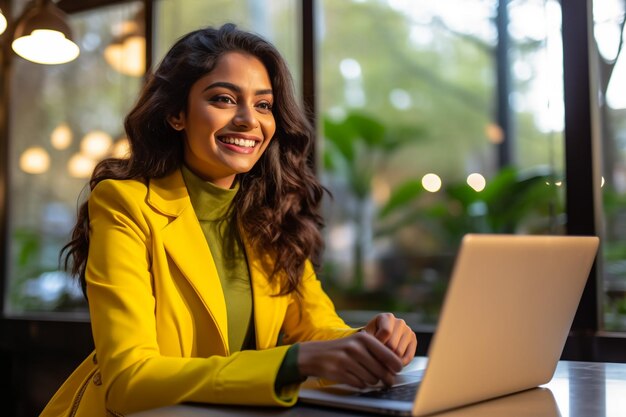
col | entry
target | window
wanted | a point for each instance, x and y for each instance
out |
(63, 119)
(610, 61)
(438, 119)
(277, 21)
(404, 89)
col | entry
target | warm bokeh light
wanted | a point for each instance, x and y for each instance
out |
(494, 133)
(96, 144)
(476, 181)
(128, 56)
(121, 149)
(61, 136)
(431, 182)
(381, 190)
(602, 182)
(3, 22)
(80, 166)
(35, 160)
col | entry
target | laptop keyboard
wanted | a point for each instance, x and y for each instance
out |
(404, 392)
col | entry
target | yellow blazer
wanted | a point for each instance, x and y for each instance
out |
(158, 314)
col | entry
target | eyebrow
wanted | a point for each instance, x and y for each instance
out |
(235, 88)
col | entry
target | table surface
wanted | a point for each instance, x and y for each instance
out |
(578, 389)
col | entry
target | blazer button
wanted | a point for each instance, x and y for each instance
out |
(97, 379)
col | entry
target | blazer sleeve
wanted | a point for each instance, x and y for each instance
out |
(135, 375)
(312, 315)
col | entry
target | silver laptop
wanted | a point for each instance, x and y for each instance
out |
(506, 316)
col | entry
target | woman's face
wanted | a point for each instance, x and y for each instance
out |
(229, 122)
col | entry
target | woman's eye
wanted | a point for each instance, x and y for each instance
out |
(223, 99)
(265, 105)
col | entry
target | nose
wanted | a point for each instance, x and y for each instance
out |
(246, 117)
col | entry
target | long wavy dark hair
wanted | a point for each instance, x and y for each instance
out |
(277, 205)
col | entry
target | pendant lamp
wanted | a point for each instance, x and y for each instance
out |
(42, 35)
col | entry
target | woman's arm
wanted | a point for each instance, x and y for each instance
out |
(330, 349)
(311, 315)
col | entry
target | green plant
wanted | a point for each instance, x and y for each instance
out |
(511, 201)
(356, 148)
(38, 284)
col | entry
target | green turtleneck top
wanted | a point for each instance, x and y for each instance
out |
(212, 205)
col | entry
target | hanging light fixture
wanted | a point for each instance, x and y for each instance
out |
(42, 35)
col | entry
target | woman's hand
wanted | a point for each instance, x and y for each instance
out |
(358, 360)
(395, 334)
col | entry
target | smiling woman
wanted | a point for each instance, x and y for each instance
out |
(196, 251)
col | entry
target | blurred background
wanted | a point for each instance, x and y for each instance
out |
(434, 119)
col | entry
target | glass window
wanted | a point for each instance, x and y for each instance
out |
(610, 61)
(277, 21)
(413, 134)
(63, 119)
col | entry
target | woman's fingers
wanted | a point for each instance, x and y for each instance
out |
(365, 358)
(398, 331)
(409, 352)
(358, 360)
(395, 334)
(369, 359)
(381, 352)
(381, 326)
(406, 346)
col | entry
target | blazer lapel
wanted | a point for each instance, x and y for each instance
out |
(269, 310)
(185, 243)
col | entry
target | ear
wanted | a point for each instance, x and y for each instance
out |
(177, 122)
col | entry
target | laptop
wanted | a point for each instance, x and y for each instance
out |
(505, 319)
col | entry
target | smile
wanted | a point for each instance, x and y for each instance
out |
(244, 143)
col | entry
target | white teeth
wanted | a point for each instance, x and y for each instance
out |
(245, 143)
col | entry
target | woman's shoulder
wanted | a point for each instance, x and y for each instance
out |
(112, 197)
(127, 187)
(166, 194)
(113, 193)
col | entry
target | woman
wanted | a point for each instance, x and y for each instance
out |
(195, 251)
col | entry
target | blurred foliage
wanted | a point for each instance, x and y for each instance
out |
(444, 73)
(37, 283)
(358, 146)
(511, 201)
(355, 150)
(614, 251)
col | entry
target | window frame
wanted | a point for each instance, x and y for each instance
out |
(583, 204)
